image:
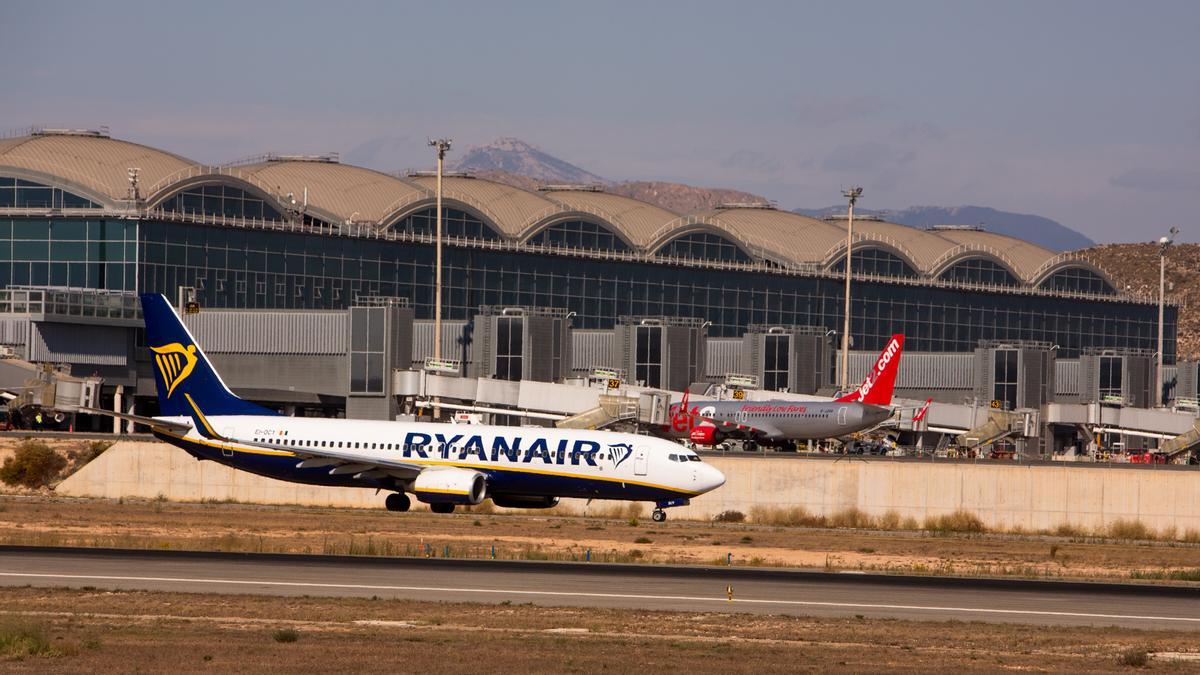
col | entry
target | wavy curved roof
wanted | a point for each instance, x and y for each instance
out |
(340, 190)
(95, 166)
(507, 207)
(1024, 257)
(634, 220)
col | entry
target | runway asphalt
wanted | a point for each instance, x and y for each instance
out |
(759, 591)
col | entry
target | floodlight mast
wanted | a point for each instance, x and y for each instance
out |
(442, 145)
(1164, 243)
(851, 194)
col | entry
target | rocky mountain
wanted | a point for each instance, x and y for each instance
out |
(1134, 267)
(1041, 231)
(683, 198)
(514, 156)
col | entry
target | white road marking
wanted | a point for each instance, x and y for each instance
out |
(580, 594)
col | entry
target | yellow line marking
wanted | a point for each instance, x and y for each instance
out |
(200, 414)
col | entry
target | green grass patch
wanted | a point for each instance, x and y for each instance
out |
(19, 641)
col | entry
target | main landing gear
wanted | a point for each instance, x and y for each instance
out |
(397, 502)
(658, 516)
(441, 508)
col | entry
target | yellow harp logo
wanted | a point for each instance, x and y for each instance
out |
(175, 362)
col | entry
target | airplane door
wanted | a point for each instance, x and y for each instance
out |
(841, 414)
(227, 432)
(639, 462)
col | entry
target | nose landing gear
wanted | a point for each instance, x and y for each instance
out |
(659, 515)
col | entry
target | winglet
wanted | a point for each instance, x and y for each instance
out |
(921, 413)
(881, 380)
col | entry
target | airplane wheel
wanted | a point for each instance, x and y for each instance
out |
(397, 502)
(441, 508)
(658, 516)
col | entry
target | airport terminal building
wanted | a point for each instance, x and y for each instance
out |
(310, 236)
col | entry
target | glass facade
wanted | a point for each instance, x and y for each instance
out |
(876, 261)
(776, 362)
(221, 200)
(81, 253)
(1004, 387)
(367, 334)
(703, 246)
(1078, 280)
(455, 223)
(647, 361)
(1110, 376)
(24, 194)
(510, 343)
(260, 269)
(579, 234)
(980, 271)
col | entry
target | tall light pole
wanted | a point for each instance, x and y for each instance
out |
(1163, 244)
(442, 145)
(851, 194)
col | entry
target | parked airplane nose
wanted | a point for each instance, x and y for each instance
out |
(709, 477)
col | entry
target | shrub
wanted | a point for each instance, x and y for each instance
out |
(852, 518)
(785, 516)
(957, 521)
(33, 465)
(643, 540)
(1133, 657)
(729, 517)
(1129, 529)
(286, 635)
(888, 521)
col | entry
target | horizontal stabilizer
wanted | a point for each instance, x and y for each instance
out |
(139, 419)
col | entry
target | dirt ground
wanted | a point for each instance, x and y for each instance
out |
(57, 521)
(100, 631)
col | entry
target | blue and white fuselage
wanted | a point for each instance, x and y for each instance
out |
(514, 461)
(441, 464)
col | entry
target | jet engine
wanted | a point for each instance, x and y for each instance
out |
(450, 486)
(706, 434)
(524, 501)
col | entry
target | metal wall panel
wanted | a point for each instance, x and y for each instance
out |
(921, 370)
(724, 356)
(593, 349)
(1067, 374)
(14, 331)
(456, 341)
(259, 332)
(68, 343)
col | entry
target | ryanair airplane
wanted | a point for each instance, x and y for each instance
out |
(442, 465)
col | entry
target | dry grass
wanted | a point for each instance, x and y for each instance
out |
(1129, 529)
(768, 539)
(166, 632)
(958, 521)
(785, 516)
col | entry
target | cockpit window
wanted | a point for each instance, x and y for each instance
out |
(694, 458)
(673, 458)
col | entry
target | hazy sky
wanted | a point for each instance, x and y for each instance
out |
(1085, 112)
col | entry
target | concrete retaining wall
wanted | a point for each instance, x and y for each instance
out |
(1004, 496)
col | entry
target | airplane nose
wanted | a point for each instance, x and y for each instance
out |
(710, 477)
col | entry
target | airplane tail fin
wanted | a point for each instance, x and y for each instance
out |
(186, 381)
(881, 380)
